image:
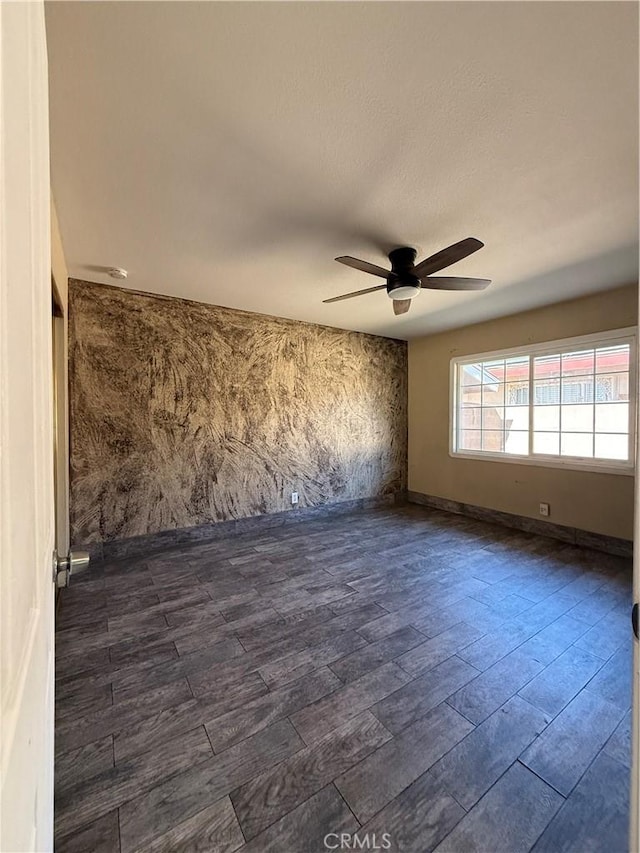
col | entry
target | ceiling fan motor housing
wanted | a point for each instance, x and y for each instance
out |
(401, 282)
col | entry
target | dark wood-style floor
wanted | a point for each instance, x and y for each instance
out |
(457, 685)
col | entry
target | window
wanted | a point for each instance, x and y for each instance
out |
(566, 403)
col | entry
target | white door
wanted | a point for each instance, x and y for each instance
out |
(634, 834)
(26, 475)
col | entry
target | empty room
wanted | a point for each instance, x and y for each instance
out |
(319, 383)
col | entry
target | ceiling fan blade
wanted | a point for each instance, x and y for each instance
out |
(454, 283)
(401, 306)
(447, 256)
(356, 293)
(364, 266)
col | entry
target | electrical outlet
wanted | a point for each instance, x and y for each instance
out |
(544, 509)
(294, 498)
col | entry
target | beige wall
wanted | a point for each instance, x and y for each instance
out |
(602, 503)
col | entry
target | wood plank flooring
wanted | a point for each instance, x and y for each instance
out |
(456, 685)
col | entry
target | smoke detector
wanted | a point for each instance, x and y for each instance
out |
(117, 272)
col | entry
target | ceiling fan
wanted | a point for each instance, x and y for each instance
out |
(406, 278)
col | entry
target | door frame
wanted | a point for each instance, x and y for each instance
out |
(634, 803)
(59, 351)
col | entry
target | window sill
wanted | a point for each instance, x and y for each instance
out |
(625, 468)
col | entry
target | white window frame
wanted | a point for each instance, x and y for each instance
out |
(614, 337)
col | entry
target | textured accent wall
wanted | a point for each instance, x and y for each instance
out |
(184, 414)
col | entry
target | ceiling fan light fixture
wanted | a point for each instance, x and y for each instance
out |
(403, 285)
(404, 291)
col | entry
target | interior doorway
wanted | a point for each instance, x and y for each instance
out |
(60, 422)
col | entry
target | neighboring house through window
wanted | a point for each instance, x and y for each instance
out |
(565, 402)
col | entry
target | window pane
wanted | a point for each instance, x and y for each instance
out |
(546, 442)
(612, 359)
(517, 442)
(516, 393)
(493, 440)
(471, 395)
(547, 392)
(492, 418)
(577, 402)
(493, 371)
(612, 417)
(470, 439)
(517, 369)
(576, 444)
(577, 418)
(578, 363)
(612, 446)
(471, 374)
(546, 366)
(470, 418)
(612, 387)
(493, 394)
(517, 417)
(577, 389)
(546, 418)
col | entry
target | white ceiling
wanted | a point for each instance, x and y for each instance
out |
(227, 152)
